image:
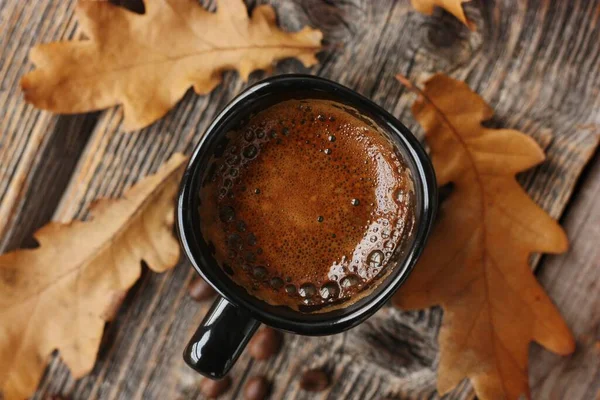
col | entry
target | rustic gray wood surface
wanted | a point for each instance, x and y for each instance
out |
(536, 62)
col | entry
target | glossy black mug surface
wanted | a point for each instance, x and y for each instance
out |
(236, 315)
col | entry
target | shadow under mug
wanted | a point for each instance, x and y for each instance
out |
(235, 316)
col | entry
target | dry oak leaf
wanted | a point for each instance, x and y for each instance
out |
(475, 264)
(454, 7)
(147, 62)
(59, 295)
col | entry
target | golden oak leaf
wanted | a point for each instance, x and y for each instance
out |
(59, 295)
(454, 7)
(147, 62)
(475, 264)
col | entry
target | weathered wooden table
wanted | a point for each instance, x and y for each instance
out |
(536, 62)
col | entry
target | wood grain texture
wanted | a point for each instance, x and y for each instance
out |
(536, 62)
(572, 280)
(38, 150)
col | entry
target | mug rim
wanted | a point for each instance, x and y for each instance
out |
(323, 326)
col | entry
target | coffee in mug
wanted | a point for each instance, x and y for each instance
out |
(308, 205)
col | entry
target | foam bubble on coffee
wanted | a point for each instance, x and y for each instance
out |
(309, 206)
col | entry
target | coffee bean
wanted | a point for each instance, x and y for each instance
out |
(265, 343)
(213, 389)
(257, 388)
(314, 380)
(200, 290)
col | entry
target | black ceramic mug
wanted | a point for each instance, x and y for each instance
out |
(236, 315)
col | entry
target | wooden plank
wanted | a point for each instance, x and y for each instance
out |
(535, 62)
(573, 281)
(38, 151)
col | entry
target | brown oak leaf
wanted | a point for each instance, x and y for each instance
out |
(147, 62)
(475, 264)
(60, 294)
(454, 7)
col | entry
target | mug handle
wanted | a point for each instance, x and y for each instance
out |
(220, 339)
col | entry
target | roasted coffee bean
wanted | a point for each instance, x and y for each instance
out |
(265, 343)
(213, 389)
(200, 290)
(314, 380)
(257, 388)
